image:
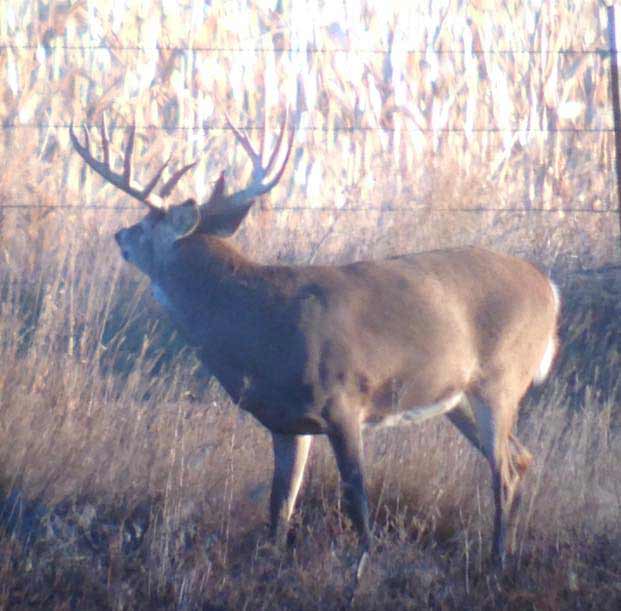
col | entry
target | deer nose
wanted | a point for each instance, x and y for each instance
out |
(118, 236)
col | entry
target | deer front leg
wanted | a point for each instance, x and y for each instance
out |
(290, 456)
(346, 440)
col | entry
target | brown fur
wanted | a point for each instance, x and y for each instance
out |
(325, 350)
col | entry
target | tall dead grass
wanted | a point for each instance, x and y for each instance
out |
(122, 488)
(127, 480)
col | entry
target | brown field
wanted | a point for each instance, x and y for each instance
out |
(126, 481)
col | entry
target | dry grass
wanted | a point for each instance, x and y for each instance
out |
(126, 489)
(126, 479)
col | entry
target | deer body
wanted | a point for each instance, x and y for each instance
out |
(334, 349)
(390, 335)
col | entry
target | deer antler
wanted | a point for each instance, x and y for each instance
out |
(123, 180)
(260, 173)
(232, 209)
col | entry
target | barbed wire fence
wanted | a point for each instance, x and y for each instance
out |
(616, 131)
(603, 53)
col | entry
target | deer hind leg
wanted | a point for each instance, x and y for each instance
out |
(467, 426)
(520, 460)
(290, 456)
(508, 460)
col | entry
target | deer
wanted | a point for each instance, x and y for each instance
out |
(334, 350)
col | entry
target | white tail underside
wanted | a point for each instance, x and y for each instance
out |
(552, 345)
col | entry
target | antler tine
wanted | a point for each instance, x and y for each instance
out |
(105, 143)
(263, 134)
(122, 180)
(274, 181)
(171, 183)
(243, 139)
(272, 159)
(87, 139)
(83, 151)
(260, 172)
(129, 151)
(151, 184)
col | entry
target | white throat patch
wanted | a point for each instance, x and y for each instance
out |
(160, 296)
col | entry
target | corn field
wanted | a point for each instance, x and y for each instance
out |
(446, 114)
(128, 480)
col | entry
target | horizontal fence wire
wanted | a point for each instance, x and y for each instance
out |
(600, 52)
(340, 128)
(366, 208)
(312, 50)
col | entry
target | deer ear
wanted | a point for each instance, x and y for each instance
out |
(219, 217)
(183, 218)
(223, 222)
(217, 193)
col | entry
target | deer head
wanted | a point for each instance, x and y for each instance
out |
(148, 242)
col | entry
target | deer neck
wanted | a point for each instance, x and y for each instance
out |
(203, 274)
(224, 304)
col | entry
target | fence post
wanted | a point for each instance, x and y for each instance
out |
(614, 17)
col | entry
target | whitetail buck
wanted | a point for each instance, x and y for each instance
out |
(312, 350)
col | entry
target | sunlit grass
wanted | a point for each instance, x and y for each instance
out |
(128, 481)
(127, 478)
